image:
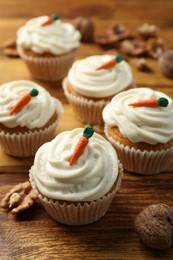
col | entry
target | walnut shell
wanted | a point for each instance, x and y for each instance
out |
(166, 63)
(86, 28)
(154, 226)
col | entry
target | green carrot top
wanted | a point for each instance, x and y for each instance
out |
(119, 58)
(55, 17)
(163, 102)
(88, 132)
(33, 92)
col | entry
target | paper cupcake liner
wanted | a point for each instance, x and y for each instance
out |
(80, 213)
(26, 144)
(86, 111)
(141, 162)
(49, 69)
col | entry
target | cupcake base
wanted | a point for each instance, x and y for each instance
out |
(26, 144)
(79, 213)
(48, 68)
(86, 111)
(141, 162)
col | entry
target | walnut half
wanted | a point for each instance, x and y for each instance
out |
(154, 226)
(19, 198)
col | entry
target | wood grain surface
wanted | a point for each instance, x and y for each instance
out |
(33, 234)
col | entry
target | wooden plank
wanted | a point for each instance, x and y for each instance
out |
(34, 234)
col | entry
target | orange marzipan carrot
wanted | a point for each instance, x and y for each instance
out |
(82, 143)
(24, 100)
(111, 63)
(48, 21)
(152, 102)
(107, 65)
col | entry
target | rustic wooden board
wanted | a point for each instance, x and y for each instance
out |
(33, 234)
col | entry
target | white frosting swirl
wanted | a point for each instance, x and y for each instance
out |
(88, 81)
(140, 124)
(56, 38)
(35, 114)
(90, 178)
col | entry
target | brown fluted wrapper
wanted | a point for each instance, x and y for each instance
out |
(83, 213)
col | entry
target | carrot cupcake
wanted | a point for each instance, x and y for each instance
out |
(28, 117)
(139, 124)
(48, 46)
(92, 82)
(76, 176)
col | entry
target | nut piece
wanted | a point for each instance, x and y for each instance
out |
(148, 30)
(135, 47)
(19, 198)
(123, 41)
(156, 47)
(113, 36)
(117, 29)
(120, 31)
(9, 44)
(10, 49)
(86, 28)
(106, 40)
(141, 64)
(11, 52)
(154, 226)
(166, 63)
(14, 199)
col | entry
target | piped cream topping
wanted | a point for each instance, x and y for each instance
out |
(140, 124)
(88, 81)
(90, 178)
(35, 114)
(56, 38)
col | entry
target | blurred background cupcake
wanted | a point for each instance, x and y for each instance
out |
(48, 46)
(92, 82)
(139, 123)
(28, 117)
(80, 191)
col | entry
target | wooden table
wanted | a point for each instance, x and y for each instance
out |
(33, 234)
